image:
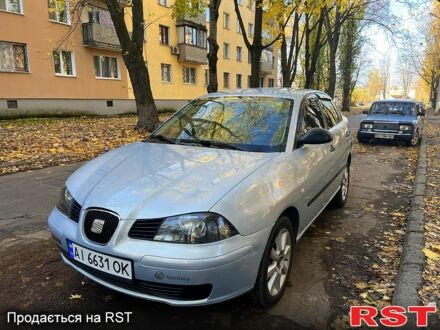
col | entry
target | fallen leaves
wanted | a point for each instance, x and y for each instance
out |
(430, 291)
(27, 144)
(75, 297)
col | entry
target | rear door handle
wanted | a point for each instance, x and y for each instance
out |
(332, 148)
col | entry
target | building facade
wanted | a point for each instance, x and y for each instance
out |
(57, 59)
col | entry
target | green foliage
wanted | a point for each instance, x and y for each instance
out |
(192, 8)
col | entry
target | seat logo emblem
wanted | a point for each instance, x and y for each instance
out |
(97, 226)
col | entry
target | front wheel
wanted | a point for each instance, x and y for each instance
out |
(415, 140)
(275, 265)
(341, 196)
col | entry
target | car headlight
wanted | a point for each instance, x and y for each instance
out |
(405, 127)
(196, 228)
(65, 201)
(366, 125)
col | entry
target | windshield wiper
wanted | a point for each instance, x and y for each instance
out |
(162, 138)
(208, 144)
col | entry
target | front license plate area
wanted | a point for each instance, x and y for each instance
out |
(384, 136)
(118, 267)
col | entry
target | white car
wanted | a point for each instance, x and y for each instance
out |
(210, 206)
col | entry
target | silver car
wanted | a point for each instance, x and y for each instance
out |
(210, 206)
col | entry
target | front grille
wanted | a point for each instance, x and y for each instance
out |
(74, 211)
(110, 223)
(163, 290)
(145, 229)
(386, 127)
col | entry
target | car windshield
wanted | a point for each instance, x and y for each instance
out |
(392, 108)
(243, 123)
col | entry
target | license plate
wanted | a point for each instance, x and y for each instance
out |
(103, 262)
(383, 136)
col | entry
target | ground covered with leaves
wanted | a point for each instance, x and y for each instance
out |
(430, 292)
(27, 144)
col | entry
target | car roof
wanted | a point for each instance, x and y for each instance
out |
(397, 101)
(281, 92)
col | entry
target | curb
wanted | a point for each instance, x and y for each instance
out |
(412, 261)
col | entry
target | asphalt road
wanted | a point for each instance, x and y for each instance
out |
(328, 260)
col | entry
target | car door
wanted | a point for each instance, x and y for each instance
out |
(341, 141)
(314, 163)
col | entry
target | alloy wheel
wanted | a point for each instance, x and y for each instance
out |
(345, 183)
(279, 262)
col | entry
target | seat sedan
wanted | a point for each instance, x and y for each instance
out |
(398, 120)
(210, 206)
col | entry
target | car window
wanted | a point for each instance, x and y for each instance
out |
(331, 114)
(250, 123)
(312, 116)
(394, 108)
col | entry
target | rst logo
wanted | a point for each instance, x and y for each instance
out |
(390, 316)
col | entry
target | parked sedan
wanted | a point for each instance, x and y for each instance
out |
(210, 206)
(392, 120)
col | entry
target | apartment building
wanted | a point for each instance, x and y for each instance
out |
(54, 59)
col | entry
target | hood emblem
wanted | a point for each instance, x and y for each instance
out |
(97, 226)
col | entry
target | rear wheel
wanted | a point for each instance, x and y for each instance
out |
(275, 265)
(341, 196)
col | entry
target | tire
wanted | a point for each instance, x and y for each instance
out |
(341, 196)
(266, 292)
(362, 141)
(414, 141)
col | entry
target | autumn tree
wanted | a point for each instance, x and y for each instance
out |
(374, 85)
(278, 14)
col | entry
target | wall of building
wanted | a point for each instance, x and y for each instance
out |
(42, 36)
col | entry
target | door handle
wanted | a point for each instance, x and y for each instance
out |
(347, 133)
(332, 148)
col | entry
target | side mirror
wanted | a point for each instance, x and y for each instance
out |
(316, 136)
(365, 112)
(420, 113)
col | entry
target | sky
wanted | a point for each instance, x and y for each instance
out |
(409, 17)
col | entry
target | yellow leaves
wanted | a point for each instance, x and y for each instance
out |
(75, 297)
(431, 254)
(41, 142)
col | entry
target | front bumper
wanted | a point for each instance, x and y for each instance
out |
(176, 274)
(365, 135)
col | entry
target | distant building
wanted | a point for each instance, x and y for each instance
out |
(51, 61)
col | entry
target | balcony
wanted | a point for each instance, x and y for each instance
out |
(197, 20)
(266, 68)
(100, 36)
(192, 54)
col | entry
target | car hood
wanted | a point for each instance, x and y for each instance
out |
(392, 118)
(149, 180)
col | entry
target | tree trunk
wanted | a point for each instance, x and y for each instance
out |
(255, 67)
(213, 46)
(313, 55)
(347, 63)
(148, 118)
(332, 70)
(132, 53)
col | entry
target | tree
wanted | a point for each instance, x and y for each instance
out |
(279, 12)
(374, 85)
(385, 74)
(132, 53)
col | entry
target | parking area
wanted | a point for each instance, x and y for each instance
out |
(348, 256)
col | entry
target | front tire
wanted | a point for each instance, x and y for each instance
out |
(275, 265)
(414, 141)
(341, 196)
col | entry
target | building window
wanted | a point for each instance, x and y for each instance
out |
(163, 35)
(239, 27)
(251, 29)
(191, 36)
(99, 16)
(262, 82)
(163, 3)
(271, 83)
(225, 50)
(64, 63)
(206, 77)
(251, 5)
(225, 79)
(13, 57)
(189, 75)
(240, 2)
(13, 6)
(239, 52)
(238, 80)
(267, 57)
(226, 22)
(59, 11)
(106, 67)
(207, 14)
(249, 82)
(165, 70)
